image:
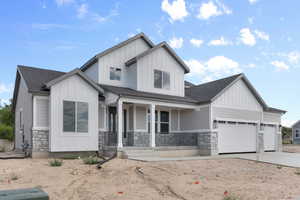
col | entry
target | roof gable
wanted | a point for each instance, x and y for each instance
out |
(109, 50)
(72, 73)
(239, 96)
(168, 49)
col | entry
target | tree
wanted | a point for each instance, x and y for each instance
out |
(6, 122)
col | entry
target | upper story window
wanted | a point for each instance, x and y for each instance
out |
(161, 79)
(297, 134)
(75, 116)
(115, 73)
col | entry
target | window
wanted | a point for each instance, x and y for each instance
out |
(164, 122)
(41, 112)
(115, 74)
(297, 134)
(75, 116)
(161, 79)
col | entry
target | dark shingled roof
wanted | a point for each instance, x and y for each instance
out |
(147, 95)
(188, 84)
(36, 78)
(204, 93)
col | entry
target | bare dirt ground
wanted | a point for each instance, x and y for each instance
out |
(291, 148)
(132, 180)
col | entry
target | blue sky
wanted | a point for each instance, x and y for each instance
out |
(216, 38)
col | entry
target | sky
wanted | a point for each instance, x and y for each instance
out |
(216, 38)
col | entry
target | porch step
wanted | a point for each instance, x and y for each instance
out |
(161, 152)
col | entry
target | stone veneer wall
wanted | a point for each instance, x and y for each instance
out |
(208, 143)
(176, 139)
(40, 141)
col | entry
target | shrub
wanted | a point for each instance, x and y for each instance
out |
(14, 177)
(91, 160)
(2, 149)
(297, 172)
(230, 197)
(55, 163)
(70, 157)
(6, 132)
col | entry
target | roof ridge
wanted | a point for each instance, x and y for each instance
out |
(38, 68)
(221, 79)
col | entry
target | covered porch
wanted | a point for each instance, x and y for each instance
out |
(144, 124)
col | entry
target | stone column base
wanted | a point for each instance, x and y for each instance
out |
(208, 143)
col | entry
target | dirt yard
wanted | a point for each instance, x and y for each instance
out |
(132, 180)
(291, 148)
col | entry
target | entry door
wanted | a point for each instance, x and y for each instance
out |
(236, 137)
(269, 137)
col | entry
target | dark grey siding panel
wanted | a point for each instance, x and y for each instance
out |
(24, 103)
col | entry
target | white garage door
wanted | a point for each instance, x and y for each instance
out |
(269, 137)
(236, 137)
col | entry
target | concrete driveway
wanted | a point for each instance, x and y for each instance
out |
(277, 158)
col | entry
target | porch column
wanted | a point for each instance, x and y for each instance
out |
(152, 125)
(120, 124)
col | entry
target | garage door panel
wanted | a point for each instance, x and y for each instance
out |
(269, 138)
(236, 138)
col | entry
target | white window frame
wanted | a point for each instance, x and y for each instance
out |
(162, 79)
(297, 133)
(115, 69)
(35, 127)
(76, 103)
(169, 122)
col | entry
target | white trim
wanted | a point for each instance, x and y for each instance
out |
(236, 120)
(270, 123)
(105, 117)
(178, 120)
(152, 126)
(236, 108)
(40, 128)
(120, 123)
(134, 117)
(195, 130)
(34, 109)
(158, 103)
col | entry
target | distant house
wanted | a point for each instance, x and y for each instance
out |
(134, 95)
(296, 132)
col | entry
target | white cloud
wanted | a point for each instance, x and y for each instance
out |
(4, 102)
(279, 65)
(288, 123)
(251, 65)
(214, 68)
(63, 2)
(5, 88)
(293, 57)
(176, 43)
(253, 1)
(196, 42)
(176, 10)
(196, 67)
(247, 37)
(262, 35)
(82, 11)
(112, 13)
(212, 9)
(220, 42)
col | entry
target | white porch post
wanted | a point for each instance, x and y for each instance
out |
(152, 125)
(120, 124)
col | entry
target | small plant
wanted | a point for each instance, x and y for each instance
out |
(91, 160)
(228, 196)
(70, 157)
(55, 163)
(279, 167)
(14, 177)
(2, 149)
(297, 172)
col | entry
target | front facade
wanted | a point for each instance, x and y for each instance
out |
(133, 95)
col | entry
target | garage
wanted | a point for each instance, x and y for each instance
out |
(234, 136)
(269, 137)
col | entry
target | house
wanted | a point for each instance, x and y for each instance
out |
(296, 133)
(134, 96)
